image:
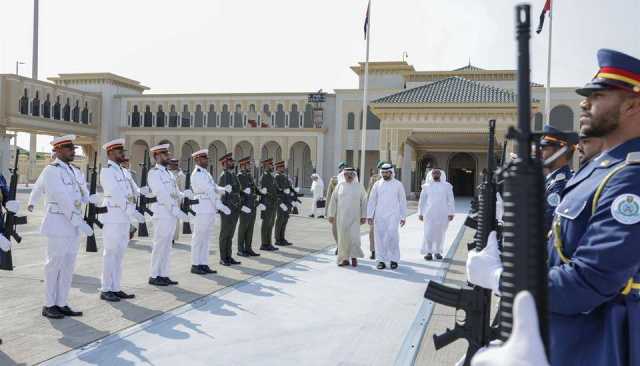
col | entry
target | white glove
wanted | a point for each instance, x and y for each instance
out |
(188, 193)
(261, 207)
(78, 222)
(283, 207)
(263, 191)
(175, 211)
(93, 199)
(499, 207)
(287, 191)
(5, 244)
(524, 346)
(145, 191)
(484, 268)
(297, 189)
(225, 210)
(245, 209)
(12, 206)
(227, 188)
(136, 217)
(247, 191)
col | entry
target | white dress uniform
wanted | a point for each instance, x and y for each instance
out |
(206, 192)
(165, 213)
(66, 192)
(119, 198)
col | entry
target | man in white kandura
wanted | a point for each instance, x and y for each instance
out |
(317, 192)
(66, 192)
(348, 210)
(435, 208)
(120, 199)
(165, 213)
(387, 208)
(206, 191)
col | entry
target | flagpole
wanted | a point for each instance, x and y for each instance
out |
(363, 146)
(547, 96)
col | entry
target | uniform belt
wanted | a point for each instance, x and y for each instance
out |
(631, 285)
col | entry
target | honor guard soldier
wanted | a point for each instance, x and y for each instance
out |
(248, 210)
(233, 201)
(206, 191)
(285, 204)
(269, 193)
(372, 180)
(166, 211)
(120, 199)
(63, 222)
(557, 149)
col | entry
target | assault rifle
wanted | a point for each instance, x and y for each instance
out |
(144, 201)
(524, 253)
(186, 202)
(476, 302)
(10, 219)
(91, 211)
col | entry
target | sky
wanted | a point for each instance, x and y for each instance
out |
(300, 45)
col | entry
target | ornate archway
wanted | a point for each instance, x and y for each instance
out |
(462, 174)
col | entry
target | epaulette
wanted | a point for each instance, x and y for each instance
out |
(54, 164)
(560, 177)
(633, 158)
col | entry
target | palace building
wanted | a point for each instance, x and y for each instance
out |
(415, 119)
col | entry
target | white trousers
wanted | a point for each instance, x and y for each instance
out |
(202, 230)
(387, 239)
(58, 269)
(316, 211)
(115, 238)
(163, 231)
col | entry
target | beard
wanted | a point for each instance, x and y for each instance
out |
(602, 125)
(386, 177)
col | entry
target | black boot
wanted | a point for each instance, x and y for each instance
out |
(197, 270)
(52, 312)
(109, 296)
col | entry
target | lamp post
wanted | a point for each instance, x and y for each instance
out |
(18, 63)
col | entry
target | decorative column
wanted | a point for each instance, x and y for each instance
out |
(5, 152)
(31, 174)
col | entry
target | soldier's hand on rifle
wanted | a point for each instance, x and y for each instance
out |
(283, 207)
(484, 267)
(84, 228)
(225, 210)
(524, 346)
(93, 199)
(188, 194)
(12, 206)
(245, 209)
(5, 244)
(287, 191)
(263, 191)
(261, 207)
(420, 217)
(247, 191)
(228, 188)
(136, 217)
(145, 191)
(175, 211)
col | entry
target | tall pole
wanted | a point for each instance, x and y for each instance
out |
(547, 95)
(34, 62)
(363, 147)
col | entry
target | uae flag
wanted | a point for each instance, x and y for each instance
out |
(366, 20)
(545, 10)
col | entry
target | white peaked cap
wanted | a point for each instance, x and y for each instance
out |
(63, 140)
(200, 153)
(159, 148)
(114, 144)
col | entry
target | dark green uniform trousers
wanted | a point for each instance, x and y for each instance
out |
(245, 231)
(268, 219)
(281, 226)
(227, 229)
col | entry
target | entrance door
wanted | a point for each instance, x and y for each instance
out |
(426, 162)
(462, 174)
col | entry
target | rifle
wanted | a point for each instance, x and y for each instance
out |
(143, 201)
(524, 253)
(91, 211)
(186, 203)
(11, 220)
(476, 302)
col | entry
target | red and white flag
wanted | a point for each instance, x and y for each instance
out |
(545, 10)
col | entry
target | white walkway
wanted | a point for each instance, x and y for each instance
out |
(310, 312)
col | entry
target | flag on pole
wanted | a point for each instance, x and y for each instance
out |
(366, 20)
(545, 10)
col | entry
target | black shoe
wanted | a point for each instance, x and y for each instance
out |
(197, 270)
(282, 244)
(225, 263)
(168, 280)
(381, 265)
(109, 296)
(394, 265)
(428, 257)
(207, 269)
(286, 242)
(268, 248)
(52, 312)
(321, 217)
(66, 311)
(124, 295)
(373, 255)
(438, 256)
(311, 215)
(233, 261)
(252, 253)
(242, 254)
(157, 281)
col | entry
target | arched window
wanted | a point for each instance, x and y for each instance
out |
(173, 116)
(186, 116)
(198, 117)
(225, 117)
(267, 116)
(373, 122)
(351, 121)
(147, 117)
(56, 108)
(308, 116)
(23, 105)
(46, 107)
(35, 105)
(252, 107)
(561, 118)
(212, 116)
(75, 114)
(461, 174)
(238, 118)
(135, 117)
(85, 113)
(66, 111)
(537, 122)
(160, 117)
(294, 117)
(280, 116)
